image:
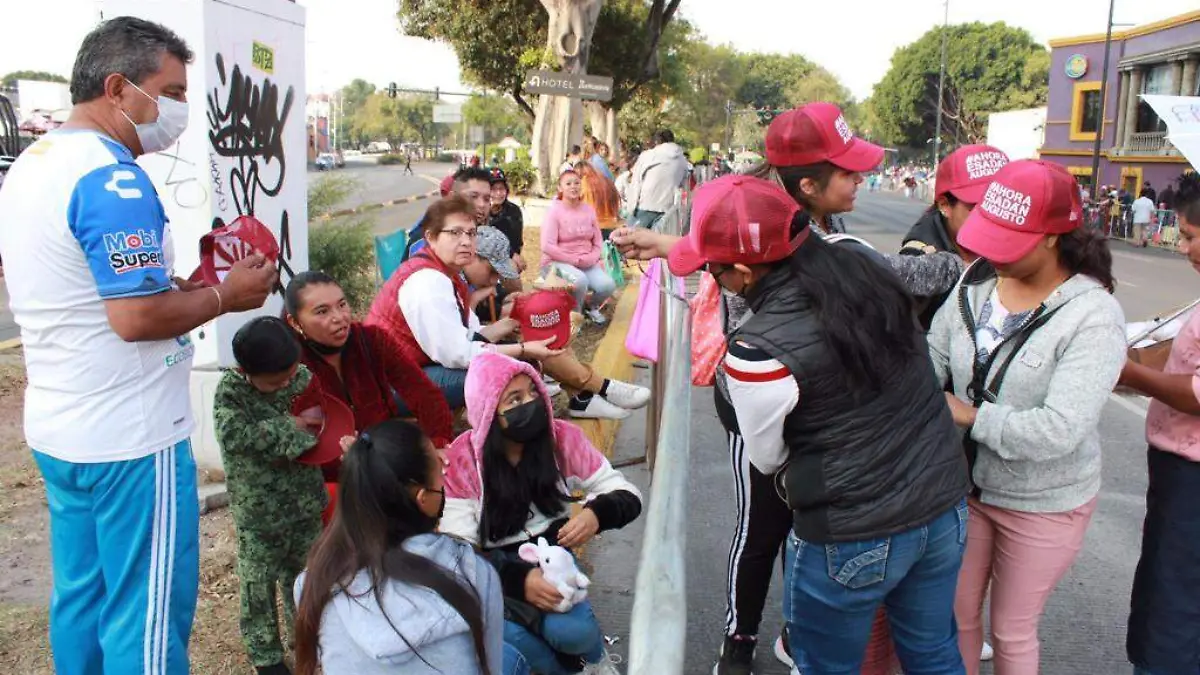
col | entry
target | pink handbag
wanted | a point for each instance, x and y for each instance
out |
(642, 338)
(708, 335)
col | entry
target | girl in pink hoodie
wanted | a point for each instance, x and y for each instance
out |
(509, 482)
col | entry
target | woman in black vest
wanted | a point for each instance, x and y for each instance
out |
(833, 392)
(812, 153)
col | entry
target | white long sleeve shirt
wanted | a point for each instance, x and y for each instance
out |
(429, 304)
(763, 393)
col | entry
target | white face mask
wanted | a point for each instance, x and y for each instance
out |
(162, 133)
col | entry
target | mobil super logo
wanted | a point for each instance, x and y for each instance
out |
(133, 250)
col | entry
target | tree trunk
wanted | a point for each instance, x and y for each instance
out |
(603, 121)
(559, 121)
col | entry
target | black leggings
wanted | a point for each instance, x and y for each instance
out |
(761, 527)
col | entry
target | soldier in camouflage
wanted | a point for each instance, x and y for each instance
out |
(276, 501)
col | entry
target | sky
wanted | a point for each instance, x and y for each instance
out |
(854, 39)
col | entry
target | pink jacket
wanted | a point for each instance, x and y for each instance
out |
(571, 235)
(582, 466)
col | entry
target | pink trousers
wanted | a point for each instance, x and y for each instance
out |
(1021, 556)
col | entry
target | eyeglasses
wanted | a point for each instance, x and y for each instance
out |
(459, 234)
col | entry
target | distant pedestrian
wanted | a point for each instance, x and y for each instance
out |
(105, 328)
(1149, 191)
(408, 164)
(659, 172)
(1143, 213)
(572, 159)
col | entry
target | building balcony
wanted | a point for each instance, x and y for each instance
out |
(1147, 143)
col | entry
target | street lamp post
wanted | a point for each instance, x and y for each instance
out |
(937, 134)
(1112, 4)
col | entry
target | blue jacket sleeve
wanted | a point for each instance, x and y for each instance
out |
(119, 222)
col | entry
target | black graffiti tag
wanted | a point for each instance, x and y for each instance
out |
(246, 125)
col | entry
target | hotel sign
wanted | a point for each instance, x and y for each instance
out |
(569, 84)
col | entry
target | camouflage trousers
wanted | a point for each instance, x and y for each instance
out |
(268, 564)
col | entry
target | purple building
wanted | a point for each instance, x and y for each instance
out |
(1158, 58)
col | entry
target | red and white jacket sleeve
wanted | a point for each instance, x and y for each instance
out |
(763, 392)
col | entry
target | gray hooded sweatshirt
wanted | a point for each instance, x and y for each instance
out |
(1039, 447)
(356, 638)
(656, 174)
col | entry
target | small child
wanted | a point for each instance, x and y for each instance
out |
(276, 501)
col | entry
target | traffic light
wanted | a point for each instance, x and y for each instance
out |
(392, 89)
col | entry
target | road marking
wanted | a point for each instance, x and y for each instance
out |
(1129, 405)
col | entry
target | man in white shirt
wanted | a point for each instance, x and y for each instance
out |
(108, 357)
(1143, 213)
(658, 173)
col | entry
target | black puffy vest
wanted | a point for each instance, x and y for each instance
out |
(862, 464)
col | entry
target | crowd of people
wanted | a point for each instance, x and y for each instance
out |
(913, 432)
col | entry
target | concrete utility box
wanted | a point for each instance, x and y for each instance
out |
(244, 153)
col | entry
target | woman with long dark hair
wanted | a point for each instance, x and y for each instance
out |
(384, 593)
(1033, 342)
(509, 482)
(817, 160)
(832, 389)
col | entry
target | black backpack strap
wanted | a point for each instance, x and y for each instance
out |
(990, 393)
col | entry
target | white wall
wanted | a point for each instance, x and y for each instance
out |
(1019, 133)
(47, 96)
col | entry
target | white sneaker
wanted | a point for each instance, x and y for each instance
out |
(599, 409)
(781, 653)
(627, 396)
(988, 653)
(595, 316)
(607, 665)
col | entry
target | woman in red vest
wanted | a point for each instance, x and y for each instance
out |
(426, 306)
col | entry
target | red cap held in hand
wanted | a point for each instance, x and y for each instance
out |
(737, 220)
(818, 132)
(339, 422)
(544, 315)
(1026, 201)
(224, 246)
(966, 172)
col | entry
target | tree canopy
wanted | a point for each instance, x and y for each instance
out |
(989, 68)
(10, 80)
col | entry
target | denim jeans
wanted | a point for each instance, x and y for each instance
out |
(514, 663)
(644, 219)
(833, 591)
(576, 633)
(593, 279)
(452, 382)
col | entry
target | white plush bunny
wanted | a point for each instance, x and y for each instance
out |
(558, 568)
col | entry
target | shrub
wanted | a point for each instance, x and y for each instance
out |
(343, 248)
(697, 155)
(391, 158)
(446, 158)
(521, 176)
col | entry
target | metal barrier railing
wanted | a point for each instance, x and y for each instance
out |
(658, 630)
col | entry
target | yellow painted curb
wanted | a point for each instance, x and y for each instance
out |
(613, 361)
(10, 344)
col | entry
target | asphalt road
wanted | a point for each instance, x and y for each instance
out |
(1083, 630)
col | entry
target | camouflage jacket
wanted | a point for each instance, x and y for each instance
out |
(259, 444)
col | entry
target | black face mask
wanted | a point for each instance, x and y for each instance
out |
(526, 421)
(325, 350)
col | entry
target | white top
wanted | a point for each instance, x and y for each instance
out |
(81, 223)
(428, 303)
(763, 393)
(1143, 210)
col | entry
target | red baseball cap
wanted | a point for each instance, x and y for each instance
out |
(966, 172)
(222, 247)
(544, 315)
(1026, 200)
(818, 132)
(737, 220)
(338, 423)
